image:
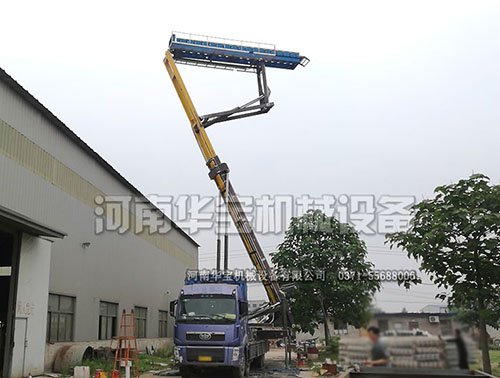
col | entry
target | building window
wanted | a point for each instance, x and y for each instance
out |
(60, 318)
(383, 324)
(108, 313)
(163, 322)
(446, 327)
(413, 324)
(140, 314)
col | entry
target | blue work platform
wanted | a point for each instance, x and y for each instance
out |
(228, 53)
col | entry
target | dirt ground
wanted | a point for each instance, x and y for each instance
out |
(274, 368)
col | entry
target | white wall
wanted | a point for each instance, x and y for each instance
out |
(55, 182)
(494, 333)
(151, 269)
(31, 306)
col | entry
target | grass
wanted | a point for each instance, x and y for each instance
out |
(146, 362)
(323, 355)
(495, 362)
(155, 362)
(101, 364)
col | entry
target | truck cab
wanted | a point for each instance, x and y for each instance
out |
(211, 327)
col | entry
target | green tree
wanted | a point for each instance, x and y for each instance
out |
(468, 314)
(456, 238)
(315, 243)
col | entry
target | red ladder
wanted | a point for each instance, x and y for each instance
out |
(126, 348)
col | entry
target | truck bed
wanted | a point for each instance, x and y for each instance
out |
(257, 348)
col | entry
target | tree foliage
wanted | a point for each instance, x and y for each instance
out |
(315, 242)
(456, 238)
(468, 314)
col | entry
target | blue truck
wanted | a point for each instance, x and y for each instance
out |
(212, 330)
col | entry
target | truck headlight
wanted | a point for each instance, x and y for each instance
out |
(236, 354)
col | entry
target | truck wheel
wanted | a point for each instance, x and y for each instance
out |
(259, 362)
(247, 367)
(185, 372)
(242, 371)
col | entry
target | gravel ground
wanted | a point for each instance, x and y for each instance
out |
(274, 368)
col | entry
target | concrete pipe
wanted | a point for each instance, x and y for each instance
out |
(70, 355)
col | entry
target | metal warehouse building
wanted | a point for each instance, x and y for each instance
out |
(61, 282)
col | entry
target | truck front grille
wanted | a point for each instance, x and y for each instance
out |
(215, 354)
(205, 336)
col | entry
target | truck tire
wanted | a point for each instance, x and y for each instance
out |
(259, 362)
(185, 372)
(247, 368)
(242, 371)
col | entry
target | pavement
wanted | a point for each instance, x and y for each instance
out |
(274, 368)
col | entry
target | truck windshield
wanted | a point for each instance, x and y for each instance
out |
(207, 308)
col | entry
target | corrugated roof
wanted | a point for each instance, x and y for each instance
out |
(28, 97)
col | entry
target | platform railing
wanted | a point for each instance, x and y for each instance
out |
(225, 41)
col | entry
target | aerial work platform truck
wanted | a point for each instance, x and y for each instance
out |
(212, 325)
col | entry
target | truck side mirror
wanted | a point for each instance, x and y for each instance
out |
(243, 308)
(172, 308)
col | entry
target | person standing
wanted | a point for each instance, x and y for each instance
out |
(463, 358)
(379, 353)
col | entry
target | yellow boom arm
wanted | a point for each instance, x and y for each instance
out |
(218, 172)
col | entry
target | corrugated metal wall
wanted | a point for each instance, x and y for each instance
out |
(45, 176)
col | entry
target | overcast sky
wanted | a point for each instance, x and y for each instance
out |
(399, 97)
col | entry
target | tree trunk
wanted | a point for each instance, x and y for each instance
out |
(483, 335)
(327, 329)
(483, 340)
(325, 323)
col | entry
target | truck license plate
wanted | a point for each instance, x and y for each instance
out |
(204, 358)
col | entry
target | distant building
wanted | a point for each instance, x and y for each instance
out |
(338, 329)
(435, 323)
(439, 308)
